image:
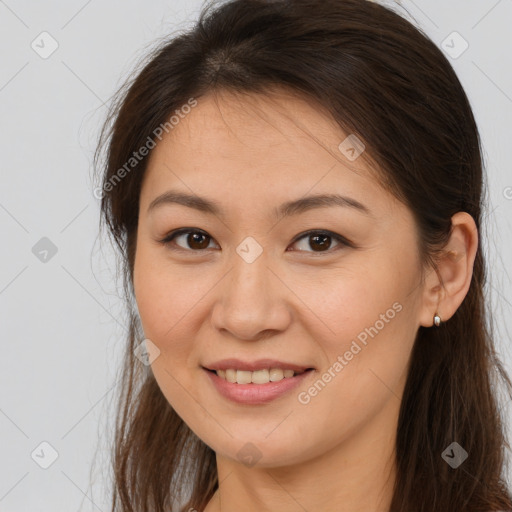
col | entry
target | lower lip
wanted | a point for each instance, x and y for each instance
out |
(256, 393)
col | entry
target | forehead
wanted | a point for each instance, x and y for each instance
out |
(279, 121)
(256, 147)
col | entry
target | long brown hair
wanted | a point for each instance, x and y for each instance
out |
(384, 80)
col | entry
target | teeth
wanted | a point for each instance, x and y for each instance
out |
(256, 377)
(276, 374)
(231, 375)
(243, 377)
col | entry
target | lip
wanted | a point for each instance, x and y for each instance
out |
(254, 394)
(252, 366)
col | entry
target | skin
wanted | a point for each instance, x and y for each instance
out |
(295, 302)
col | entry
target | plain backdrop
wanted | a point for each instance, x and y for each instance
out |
(61, 314)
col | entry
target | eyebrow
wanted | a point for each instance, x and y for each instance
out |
(287, 209)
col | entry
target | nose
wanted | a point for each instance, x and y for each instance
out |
(252, 301)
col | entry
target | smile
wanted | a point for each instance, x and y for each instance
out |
(238, 386)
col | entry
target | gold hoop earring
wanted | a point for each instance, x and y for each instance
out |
(437, 320)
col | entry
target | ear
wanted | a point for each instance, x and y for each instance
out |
(446, 286)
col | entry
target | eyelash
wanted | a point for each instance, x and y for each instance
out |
(177, 232)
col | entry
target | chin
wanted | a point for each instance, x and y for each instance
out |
(259, 452)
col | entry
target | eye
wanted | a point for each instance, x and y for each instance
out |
(321, 241)
(196, 240)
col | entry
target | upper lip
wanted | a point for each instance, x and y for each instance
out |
(259, 364)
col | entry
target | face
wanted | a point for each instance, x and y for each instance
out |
(329, 286)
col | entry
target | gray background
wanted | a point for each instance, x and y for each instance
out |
(62, 318)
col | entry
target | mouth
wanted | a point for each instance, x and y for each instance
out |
(257, 377)
(238, 385)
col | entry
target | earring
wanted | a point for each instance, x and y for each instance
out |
(437, 320)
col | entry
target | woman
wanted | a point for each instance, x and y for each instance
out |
(295, 188)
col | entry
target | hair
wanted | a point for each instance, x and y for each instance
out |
(382, 79)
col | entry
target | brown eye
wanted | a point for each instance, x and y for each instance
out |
(191, 239)
(198, 240)
(194, 240)
(321, 241)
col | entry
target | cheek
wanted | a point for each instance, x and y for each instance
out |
(348, 302)
(165, 298)
(368, 319)
(366, 335)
